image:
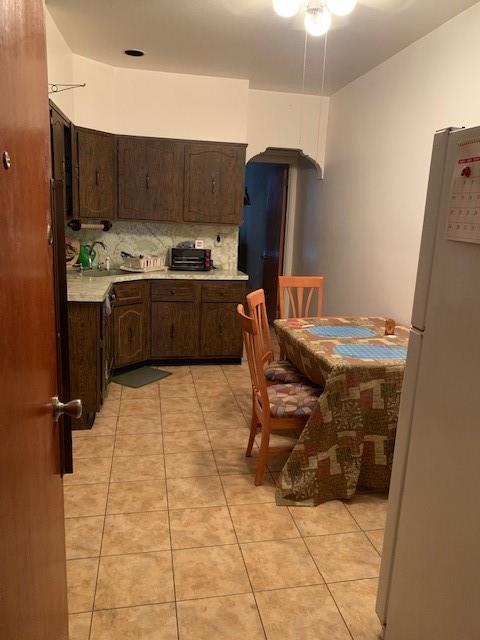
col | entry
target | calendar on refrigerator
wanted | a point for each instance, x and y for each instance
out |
(464, 202)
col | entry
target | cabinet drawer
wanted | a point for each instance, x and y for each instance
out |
(223, 292)
(129, 292)
(175, 290)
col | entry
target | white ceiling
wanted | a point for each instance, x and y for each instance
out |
(245, 38)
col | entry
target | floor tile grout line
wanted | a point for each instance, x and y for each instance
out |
(238, 544)
(210, 546)
(103, 528)
(239, 593)
(339, 611)
(326, 585)
(364, 531)
(169, 525)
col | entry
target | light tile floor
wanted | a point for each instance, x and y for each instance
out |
(169, 539)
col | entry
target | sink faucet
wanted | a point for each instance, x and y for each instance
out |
(91, 248)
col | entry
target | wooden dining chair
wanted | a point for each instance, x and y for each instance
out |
(277, 407)
(299, 292)
(276, 371)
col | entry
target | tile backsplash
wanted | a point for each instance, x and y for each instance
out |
(156, 238)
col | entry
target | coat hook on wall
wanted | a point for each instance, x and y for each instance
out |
(55, 87)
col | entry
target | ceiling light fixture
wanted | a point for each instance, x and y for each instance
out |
(341, 7)
(317, 21)
(318, 13)
(287, 8)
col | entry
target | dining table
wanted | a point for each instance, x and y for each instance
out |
(349, 438)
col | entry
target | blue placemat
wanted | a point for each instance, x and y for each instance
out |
(338, 331)
(371, 352)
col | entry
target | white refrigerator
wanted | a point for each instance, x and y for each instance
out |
(429, 585)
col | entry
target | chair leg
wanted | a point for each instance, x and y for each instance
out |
(253, 433)
(262, 456)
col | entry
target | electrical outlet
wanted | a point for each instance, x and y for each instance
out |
(218, 240)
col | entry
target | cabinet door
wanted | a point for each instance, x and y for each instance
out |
(214, 178)
(132, 171)
(174, 329)
(84, 326)
(220, 334)
(130, 334)
(96, 174)
(150, 179)
(60, 132)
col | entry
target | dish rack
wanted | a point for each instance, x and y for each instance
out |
(142, 263)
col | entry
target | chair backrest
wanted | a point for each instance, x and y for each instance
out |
(299, 290)
(253, 347)
(258, 310)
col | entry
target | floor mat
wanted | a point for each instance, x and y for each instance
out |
(139, 377)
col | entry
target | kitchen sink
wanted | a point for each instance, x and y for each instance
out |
(100, 273)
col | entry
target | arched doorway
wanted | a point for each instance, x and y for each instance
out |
(267, 236)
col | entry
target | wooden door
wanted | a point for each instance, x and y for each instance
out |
(33, 594)
(272, 257)
(214, 179)
(96, 157)
(130, 332)
(220, 334)
(174, 330)
(150, 179)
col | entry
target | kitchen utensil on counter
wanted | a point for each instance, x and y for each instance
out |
(72, 249)
(141, 263)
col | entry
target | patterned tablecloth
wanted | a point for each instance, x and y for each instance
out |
(349, 438)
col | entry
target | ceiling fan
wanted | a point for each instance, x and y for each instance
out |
(318, 14)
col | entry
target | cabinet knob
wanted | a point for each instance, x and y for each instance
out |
(172, 292)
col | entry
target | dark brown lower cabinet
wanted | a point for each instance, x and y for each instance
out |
(174, 330)
(130, 325)
(219, 330)
(158, 320)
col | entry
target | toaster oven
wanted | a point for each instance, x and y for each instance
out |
(190, 259)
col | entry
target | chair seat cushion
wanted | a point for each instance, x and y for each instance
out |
(283, 371)
(292, 400)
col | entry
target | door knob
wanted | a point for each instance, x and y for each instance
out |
(72, 408)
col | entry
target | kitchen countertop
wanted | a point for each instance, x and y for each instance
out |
(83, 288)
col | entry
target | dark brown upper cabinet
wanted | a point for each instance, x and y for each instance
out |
(150, 179)
(214, 181)
(95, 174)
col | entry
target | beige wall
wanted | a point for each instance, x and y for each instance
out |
(160, 104)
(60, 65)
(287, 120)
(380, 131)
